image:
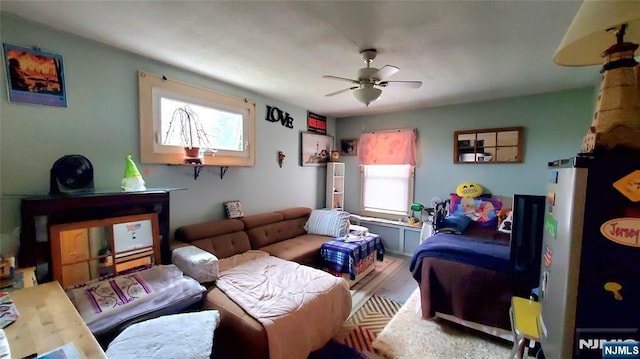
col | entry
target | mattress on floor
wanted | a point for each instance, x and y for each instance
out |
(107, 306)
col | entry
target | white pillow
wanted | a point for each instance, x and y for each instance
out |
(328, 223)
(196, 263)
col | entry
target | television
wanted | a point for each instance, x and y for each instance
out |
(526, 236)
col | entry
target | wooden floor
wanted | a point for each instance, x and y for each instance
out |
(367, 287)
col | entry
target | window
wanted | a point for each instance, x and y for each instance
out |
(387, 190)
(228, 122)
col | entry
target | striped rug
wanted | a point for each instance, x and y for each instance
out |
(364, 325)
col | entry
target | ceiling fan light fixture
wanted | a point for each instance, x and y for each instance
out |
(366, 95)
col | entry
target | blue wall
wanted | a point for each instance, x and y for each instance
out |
(101, 123)
(554, 125)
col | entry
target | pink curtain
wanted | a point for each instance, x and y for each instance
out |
(387, 148)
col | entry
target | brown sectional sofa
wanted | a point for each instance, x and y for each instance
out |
(279, 233)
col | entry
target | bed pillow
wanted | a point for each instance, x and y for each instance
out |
(196, 263)
(456, 223)
(482, 210)
(326, 222)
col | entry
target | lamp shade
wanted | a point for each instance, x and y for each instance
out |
(367, 94)
(588, 37)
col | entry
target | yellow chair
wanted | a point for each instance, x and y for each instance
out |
(524, 315)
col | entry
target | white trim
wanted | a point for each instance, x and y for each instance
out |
(151, 85)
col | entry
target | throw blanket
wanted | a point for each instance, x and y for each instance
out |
(108, 295)
(301, 308)
(106, 303)
(459, 248)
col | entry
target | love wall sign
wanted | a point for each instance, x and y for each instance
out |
(275, 114)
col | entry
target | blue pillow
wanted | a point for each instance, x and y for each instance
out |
(455, 223)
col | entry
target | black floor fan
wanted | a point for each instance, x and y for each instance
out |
(71, 174)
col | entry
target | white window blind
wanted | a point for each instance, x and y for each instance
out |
(387, 190)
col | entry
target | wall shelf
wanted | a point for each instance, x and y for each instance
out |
(197, 168)
(335, 185)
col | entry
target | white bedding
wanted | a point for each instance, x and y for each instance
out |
(301, 308)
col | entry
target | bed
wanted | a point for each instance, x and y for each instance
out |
(470, 276)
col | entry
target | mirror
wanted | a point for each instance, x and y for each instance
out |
(84, 251)
(495, 145)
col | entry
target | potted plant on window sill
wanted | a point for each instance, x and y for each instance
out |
(193, 137)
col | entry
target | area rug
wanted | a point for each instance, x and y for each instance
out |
(408, 336)
(372, 282)
(359, 331)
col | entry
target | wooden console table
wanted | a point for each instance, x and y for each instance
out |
(48, 320)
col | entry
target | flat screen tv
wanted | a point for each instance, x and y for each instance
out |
(526, 236)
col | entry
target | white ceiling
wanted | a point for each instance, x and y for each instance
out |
(462, 51)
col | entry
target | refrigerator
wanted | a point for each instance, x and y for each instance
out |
(590, 263)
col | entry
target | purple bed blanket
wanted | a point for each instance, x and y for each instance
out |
(460, 248)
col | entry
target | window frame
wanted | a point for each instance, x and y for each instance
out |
(393, 215)
(150, 121)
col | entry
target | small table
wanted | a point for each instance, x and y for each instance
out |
(353, 259)
(48, 320)
(524, 315)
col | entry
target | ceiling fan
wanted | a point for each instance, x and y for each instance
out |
(366, 89)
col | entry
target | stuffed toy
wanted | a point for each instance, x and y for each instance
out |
(505, 218)
(469, 189)
(132, 179)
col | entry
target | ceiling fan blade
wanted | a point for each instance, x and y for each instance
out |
(341, 91)
(384, 72)
(340, 78)
(409, 84)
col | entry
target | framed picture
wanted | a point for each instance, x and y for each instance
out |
(233, 209)
(349, 147)
(315, 149)
(34, 76)
(316, 123)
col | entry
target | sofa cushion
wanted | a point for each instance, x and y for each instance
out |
(328, 223)
(208, 229)
(295, 212)
(221, 238)
(304, 249)
(261, 219)
(268, 228)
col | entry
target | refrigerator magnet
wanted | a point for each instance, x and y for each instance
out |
(629, 186)
(625, 231)
(550, 225)
(548, 253)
